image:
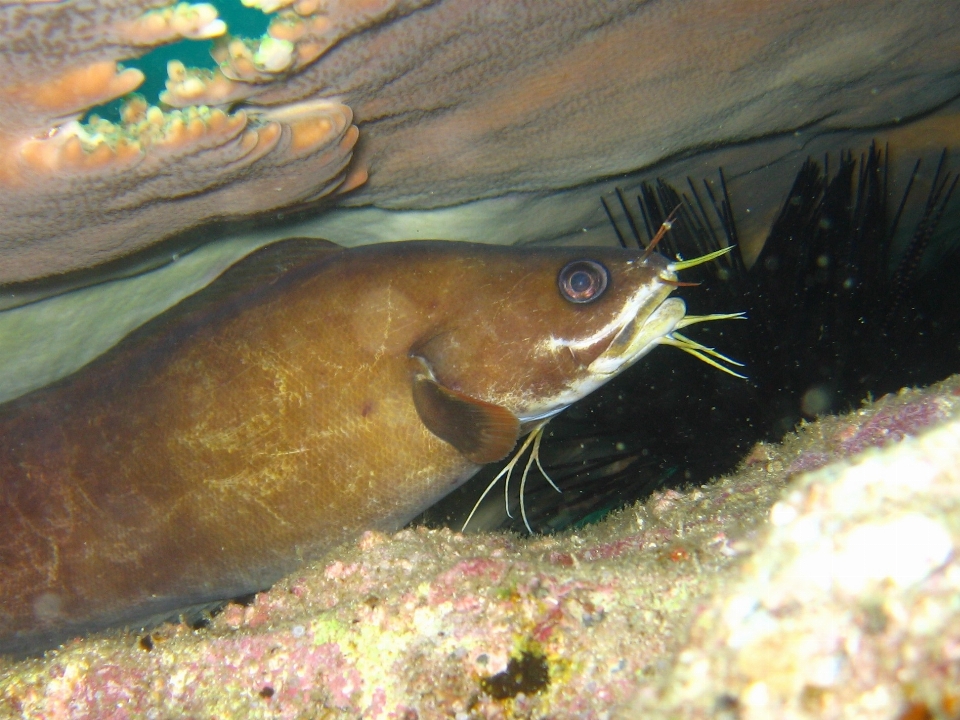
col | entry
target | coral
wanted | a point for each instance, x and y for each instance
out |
(457, 101)
(78, 194)
(765, 594)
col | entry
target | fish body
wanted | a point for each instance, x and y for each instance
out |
(309, 394)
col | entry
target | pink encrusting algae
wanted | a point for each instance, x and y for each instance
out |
(430, 624)
(850, 608)
(890, 419)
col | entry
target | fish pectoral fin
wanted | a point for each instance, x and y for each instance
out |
(481, 431)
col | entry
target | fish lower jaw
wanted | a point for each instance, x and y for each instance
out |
(535, 417)
(633, 341)
(546, 408)
(638, 338)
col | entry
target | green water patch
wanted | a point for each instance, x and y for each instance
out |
(240, 20)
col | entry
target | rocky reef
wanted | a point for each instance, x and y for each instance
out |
(820, 580)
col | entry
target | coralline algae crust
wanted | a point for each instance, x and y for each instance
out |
(770, 593)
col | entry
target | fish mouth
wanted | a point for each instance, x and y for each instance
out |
(640, 330)
(638, 337)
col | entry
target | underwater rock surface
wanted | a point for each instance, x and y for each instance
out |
(820, 580)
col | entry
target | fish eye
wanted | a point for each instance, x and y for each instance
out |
(583, 281)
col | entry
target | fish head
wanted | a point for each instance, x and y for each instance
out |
(534, 330)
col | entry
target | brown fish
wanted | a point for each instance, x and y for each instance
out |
(309, 394)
